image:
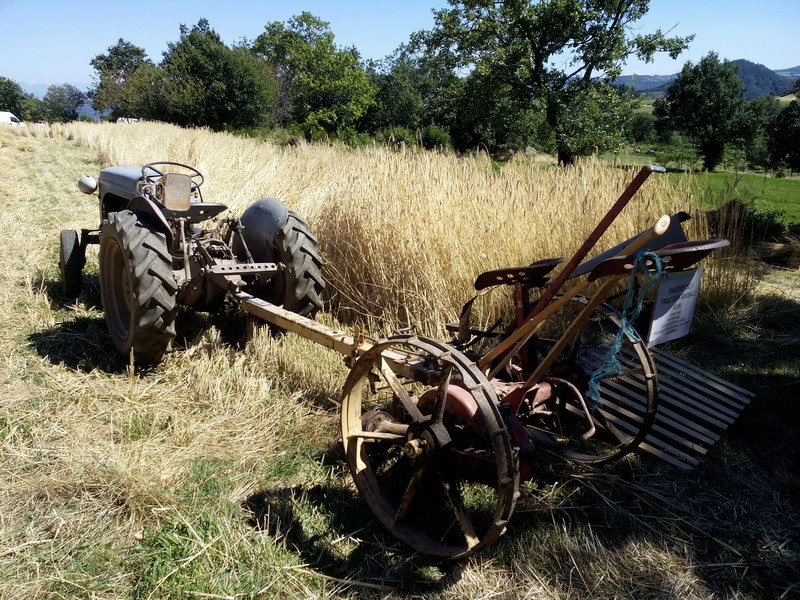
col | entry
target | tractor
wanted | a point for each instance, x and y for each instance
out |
(437, 434)
(162, 246)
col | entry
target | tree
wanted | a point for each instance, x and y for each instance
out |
(61, 103)
(706, 102)
(784, 141)
(325, 86)
(114, 70)
(146, 93)
(522, 42)
(755, 123)
(15, 100)
(207, 83)
(410, 91)
(641, 128)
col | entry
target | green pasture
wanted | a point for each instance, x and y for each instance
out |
(763, 192)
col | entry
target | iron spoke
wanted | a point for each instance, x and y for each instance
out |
(441, 394)
(464, 522)
(408, 495)
(399, 391)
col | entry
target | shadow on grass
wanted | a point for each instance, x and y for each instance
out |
(733, 519)
(636, 529)
(335, 534)
(82, 342)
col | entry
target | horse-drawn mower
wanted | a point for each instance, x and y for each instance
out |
(437, 435)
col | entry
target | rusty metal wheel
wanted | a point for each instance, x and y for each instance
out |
(628, 399)
(427, 446)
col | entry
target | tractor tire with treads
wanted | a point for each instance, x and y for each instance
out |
(299, 287)
(137, 287)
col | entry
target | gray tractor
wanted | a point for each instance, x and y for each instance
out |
(162, 247)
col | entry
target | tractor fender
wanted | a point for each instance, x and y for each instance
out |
(152, 213)
(261, 222)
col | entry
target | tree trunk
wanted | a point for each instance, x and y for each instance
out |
(565, 156)
(712, 154)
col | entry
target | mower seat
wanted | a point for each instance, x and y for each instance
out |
(532, 276)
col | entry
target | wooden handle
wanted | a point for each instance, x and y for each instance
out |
(661, 226)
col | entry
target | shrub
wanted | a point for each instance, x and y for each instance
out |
(435, 137)
(395, 136)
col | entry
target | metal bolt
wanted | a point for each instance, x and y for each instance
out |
(415, 448)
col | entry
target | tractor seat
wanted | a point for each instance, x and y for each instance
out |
(675, 257)
(533, 275)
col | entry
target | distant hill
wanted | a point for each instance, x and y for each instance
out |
(758, 81)
(791, 73)
(645, 83)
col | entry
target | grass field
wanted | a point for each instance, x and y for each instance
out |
(209, 477)
(763, 193)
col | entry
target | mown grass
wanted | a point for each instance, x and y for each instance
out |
(763, 193)
(213, 475)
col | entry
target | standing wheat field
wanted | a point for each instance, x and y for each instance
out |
(214, 475)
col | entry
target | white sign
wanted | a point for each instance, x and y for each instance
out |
(674, 308)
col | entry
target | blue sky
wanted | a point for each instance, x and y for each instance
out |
(52, 41)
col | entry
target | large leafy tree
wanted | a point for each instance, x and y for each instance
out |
(784, 141)
(113, 72)
(61, 103)
(207, 83)
(550, 52)
(411, 91)
(15, 100)
(324, 86)
(757, 120)
(706, 102)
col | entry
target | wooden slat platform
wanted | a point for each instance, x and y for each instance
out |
(694, 407)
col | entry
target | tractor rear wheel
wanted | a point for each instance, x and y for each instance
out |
(70, 262)
(137, 287)
(299, 287)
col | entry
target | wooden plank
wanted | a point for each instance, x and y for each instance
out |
(659, 448)
(656, 430)
(668, 418)
(688, 392)
(689, 413)
(656, 446)
(684, 462)
(694, 379)
(731, 390)
(725, 384)
(681, 399)
(693, 387)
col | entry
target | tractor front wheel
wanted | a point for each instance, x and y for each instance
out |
(137, 287)
(71, 259)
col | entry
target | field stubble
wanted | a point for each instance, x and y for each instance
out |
(202, 478)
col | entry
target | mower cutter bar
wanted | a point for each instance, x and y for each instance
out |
(401, 363)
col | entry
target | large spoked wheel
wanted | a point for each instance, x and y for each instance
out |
(427, 446)
(626, 409)
(71, 260)
(137, 287)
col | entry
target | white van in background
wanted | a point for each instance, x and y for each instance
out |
(7, 118)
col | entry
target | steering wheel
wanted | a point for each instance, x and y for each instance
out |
(154, 174)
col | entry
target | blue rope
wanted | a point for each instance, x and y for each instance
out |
(630, 311)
